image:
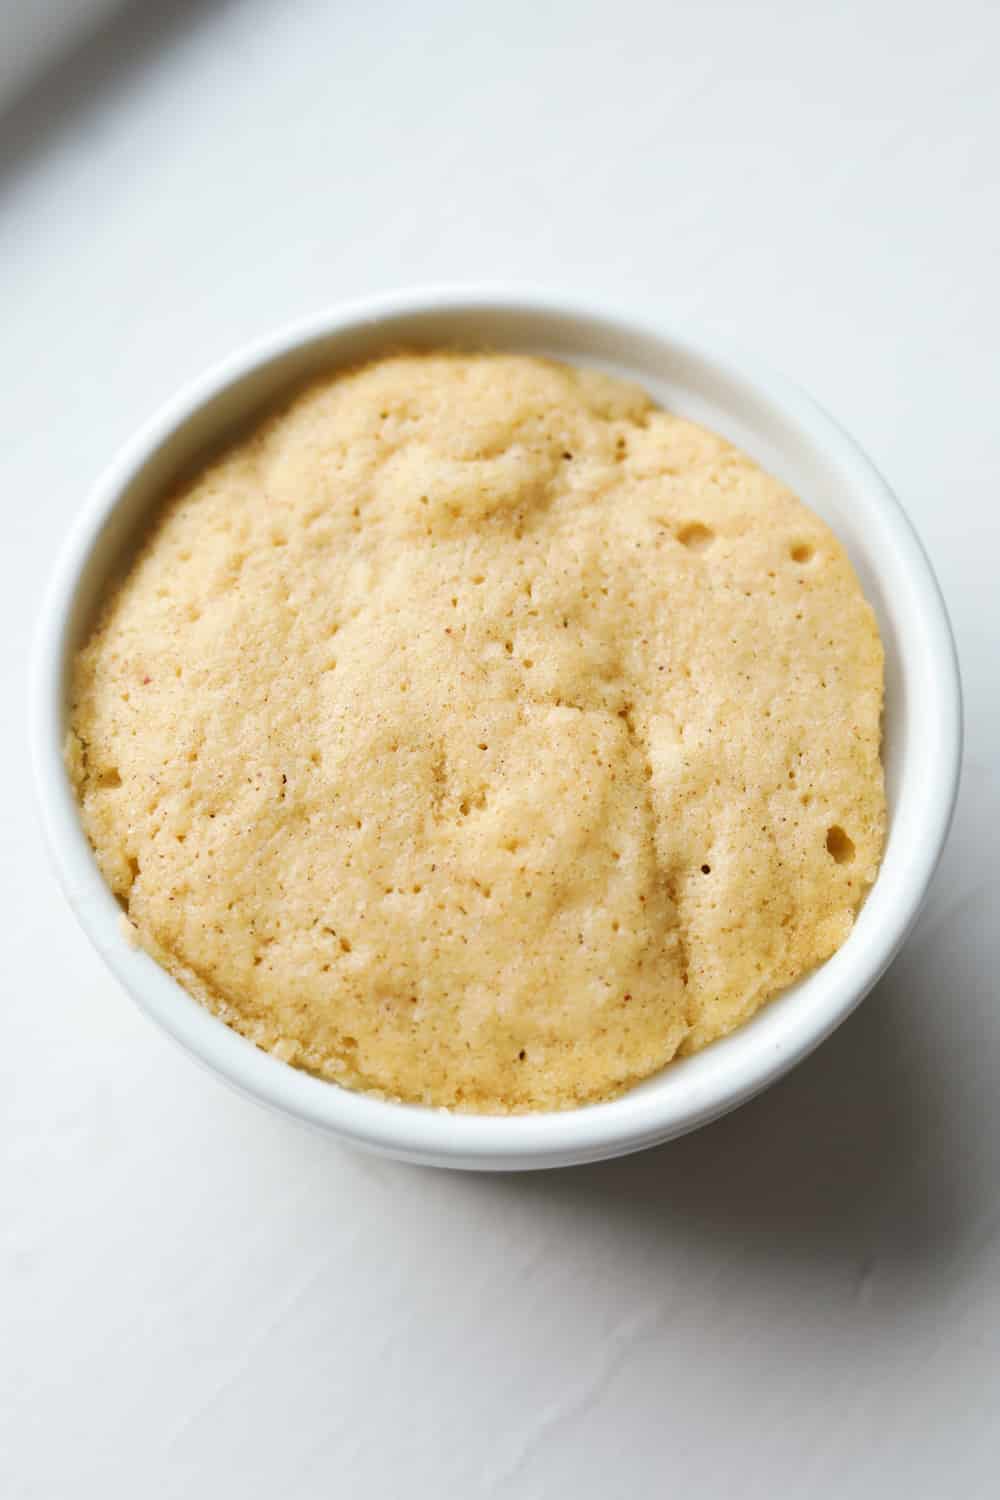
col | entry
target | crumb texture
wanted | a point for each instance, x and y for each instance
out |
(478, 734)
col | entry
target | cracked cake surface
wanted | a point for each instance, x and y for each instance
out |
(473, 732)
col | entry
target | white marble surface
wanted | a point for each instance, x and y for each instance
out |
(199, 1299)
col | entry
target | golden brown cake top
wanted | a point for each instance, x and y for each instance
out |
(476, 733)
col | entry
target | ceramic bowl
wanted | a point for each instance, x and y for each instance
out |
(691, 374)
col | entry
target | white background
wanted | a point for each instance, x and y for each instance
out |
(197, 1298)
(37, 33)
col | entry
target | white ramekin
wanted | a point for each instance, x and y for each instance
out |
(689, 374)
